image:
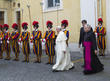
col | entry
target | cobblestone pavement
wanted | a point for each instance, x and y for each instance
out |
(19, 71)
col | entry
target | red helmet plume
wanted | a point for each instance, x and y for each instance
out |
(65, 22)
(6, 25)
(14, 25)
(49, 22)
(24, 24)
(35, 22)
(100, 20)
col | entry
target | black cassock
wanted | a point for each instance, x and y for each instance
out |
(92, 63)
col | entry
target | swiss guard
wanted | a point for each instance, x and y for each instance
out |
(64, 24)
(15, 39)
(6, 40)
(101, 33)
(49, 36)
(1, 42)
(25, 36)
(37, 43)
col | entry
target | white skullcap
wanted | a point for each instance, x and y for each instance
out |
(59, 27)
(88, 25)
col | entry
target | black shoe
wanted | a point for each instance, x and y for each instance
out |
(39, 61)
(72, 67)
(47, 63)
(51, 63)
(55, 71)
(7, 58)
(27, 61)
(89, 72)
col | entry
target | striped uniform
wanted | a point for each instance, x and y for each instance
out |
(15, 45)
(101, 32)
(7, 48)
(25, 44)
(1, 45)
(37, 44)
(49, 36)
(67, 35)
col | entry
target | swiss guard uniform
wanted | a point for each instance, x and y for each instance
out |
(49, 36)
(64, 24)
(101, 33)
(15, 38)
(1, 42)
(6, 41)
(37, 43)
(24, 37)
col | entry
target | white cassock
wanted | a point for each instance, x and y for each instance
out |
(63, 61)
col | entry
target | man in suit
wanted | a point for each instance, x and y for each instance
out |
(81, 38)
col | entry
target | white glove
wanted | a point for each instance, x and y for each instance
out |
(7, 41)
(31, 43)
(31, 37)
(20, 39)
(0, 41)
(19, 43)
(43, 40)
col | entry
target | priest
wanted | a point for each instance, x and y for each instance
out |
(92, 63)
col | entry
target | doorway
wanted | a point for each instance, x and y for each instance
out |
(18, 20)
(89, 11)
(1, 17)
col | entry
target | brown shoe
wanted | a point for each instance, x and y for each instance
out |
(24, 61)
(1, 57)
(47, 63)
(15, 59)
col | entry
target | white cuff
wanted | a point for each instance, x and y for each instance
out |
(7, 41)
(0, 41)
(20, 39)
